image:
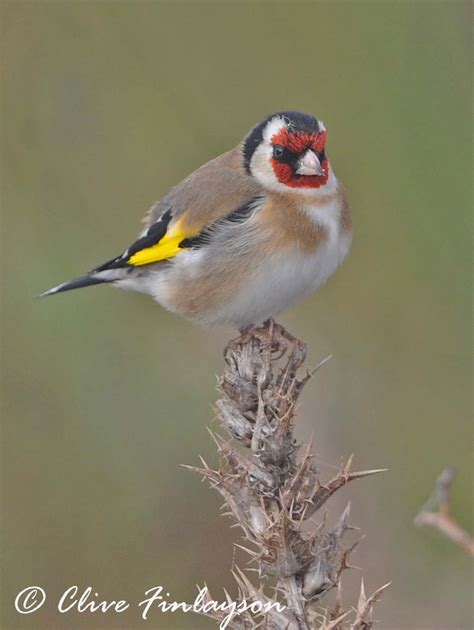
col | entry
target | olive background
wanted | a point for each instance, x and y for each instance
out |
(105, 105)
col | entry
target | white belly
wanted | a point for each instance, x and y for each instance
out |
(280, 282)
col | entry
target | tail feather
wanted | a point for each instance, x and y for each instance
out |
(77, 283)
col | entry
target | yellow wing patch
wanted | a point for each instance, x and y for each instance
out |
(167, 247)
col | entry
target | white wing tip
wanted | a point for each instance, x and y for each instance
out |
(51, 291)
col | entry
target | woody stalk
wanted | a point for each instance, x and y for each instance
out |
(273, 492)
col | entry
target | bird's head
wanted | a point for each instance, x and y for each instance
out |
(286, 151)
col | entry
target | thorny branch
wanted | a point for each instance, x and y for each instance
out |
(274, 492)
(437, 513)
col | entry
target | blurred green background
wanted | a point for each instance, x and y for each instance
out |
(105, 106)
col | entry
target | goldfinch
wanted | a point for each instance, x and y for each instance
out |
(244, 236)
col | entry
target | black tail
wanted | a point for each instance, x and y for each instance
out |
(78, 283)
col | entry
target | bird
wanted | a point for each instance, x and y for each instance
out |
(246, 235)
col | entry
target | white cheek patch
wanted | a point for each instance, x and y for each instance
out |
(261, 167)
(260, 164)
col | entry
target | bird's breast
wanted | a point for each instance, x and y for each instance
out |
(281, 279)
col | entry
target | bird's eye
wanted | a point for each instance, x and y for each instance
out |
(321, 156)
(278, 151)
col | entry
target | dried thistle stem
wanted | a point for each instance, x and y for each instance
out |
(274, 492)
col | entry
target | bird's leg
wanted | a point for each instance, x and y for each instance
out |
(299, 346)
(270, 337)
(277, 340)
(262, 332)
(267, 329)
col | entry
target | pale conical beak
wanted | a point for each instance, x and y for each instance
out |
(309, 164)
